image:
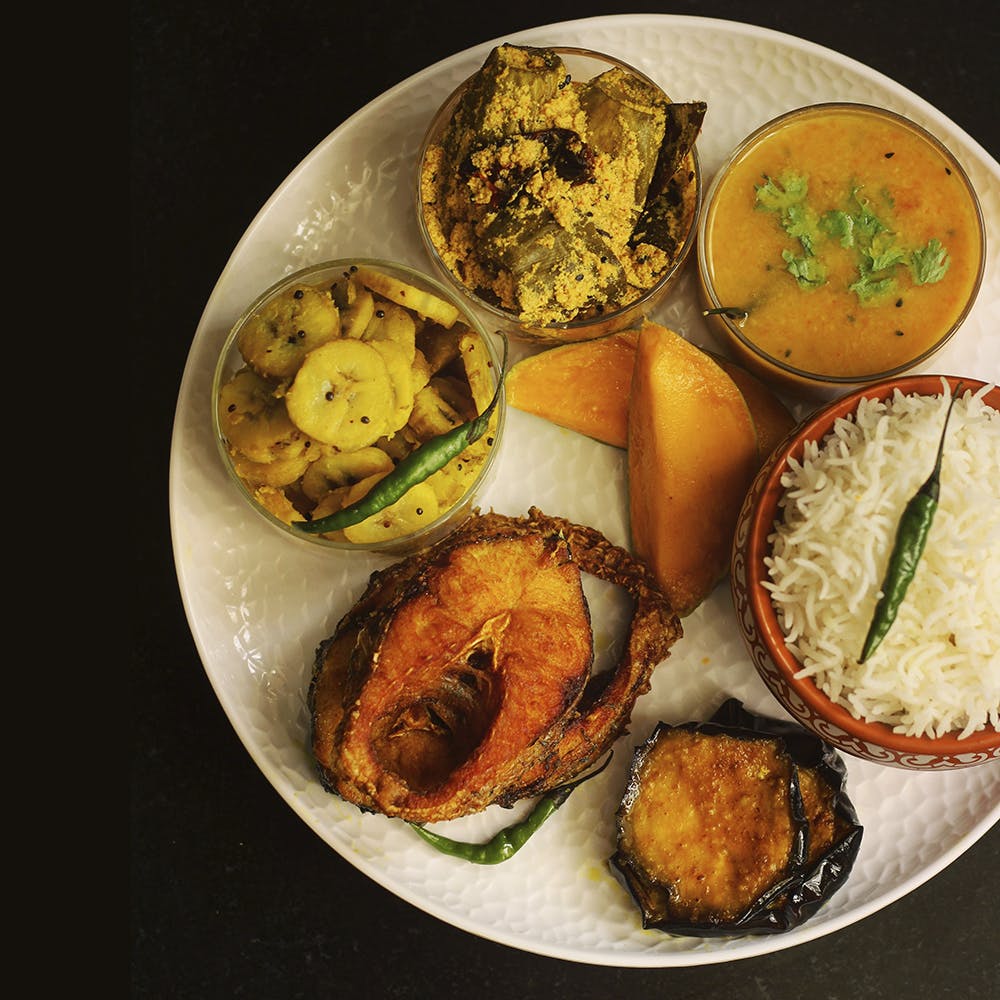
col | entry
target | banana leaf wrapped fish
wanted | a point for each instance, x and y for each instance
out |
(507, 95)
(625, 113)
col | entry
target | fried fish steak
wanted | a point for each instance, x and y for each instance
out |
(462, 676)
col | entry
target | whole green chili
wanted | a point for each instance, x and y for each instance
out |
(419, 465)
(508, 841)
(911, 538)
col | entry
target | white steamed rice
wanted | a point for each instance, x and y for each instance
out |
(938, 668)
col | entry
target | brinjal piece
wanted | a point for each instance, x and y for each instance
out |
(711, 822)
(739, 825)
(834, 831)
(548, 262)
(506, 95)
(626, 118)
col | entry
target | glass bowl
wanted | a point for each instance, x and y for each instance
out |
(595, 319)
(335, 373)
(763, 632)
(822, 243)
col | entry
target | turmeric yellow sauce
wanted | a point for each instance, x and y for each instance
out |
(851, 242)
(713, 821)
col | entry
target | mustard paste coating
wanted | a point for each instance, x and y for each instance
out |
(548, 242)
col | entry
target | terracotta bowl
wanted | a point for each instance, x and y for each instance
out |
(762, 631)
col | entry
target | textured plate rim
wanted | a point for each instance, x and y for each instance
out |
(732, 949)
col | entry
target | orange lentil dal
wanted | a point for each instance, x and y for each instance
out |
(914, 189)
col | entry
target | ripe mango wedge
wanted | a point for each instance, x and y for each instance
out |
(692, 454)
(585, 388)
(771, 418)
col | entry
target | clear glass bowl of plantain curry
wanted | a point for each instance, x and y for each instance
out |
(344, 402)
(558, 189)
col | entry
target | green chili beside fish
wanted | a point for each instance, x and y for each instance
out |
(508, 841)
(419, 465)
(911, 539)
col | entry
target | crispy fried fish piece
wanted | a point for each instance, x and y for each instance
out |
(462, 677)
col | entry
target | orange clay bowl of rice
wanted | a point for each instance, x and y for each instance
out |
(810, 558)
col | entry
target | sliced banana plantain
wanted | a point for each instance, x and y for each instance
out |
(424, 304)
(400, 372)
(439, 346)
(394, 324)
(431, 415)
(280, 472)
(330, 504)
(276, 501)
(417, 508)
(255, 422)
(276, 340)
(478, 369)
(400, 444)
(420, 372)
(356, 304)
(455, 392)
(342, 395)
(335, 469)
(450, 483)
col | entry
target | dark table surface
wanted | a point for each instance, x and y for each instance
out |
(232, 895)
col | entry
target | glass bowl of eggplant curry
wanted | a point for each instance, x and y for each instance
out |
(558, 190)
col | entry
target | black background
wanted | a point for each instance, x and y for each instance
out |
(231, 894)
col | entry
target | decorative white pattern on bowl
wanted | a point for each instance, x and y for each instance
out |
(761, 629)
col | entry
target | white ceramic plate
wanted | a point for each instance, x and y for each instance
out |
(258, 607)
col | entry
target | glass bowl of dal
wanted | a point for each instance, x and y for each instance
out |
(839, 245)
(810, 559)
(558, 191)
(331, 378)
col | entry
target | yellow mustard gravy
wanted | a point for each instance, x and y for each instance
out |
(915, 192)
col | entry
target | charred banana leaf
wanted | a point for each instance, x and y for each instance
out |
(740, 825)
(684, 121)
(664, 221)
